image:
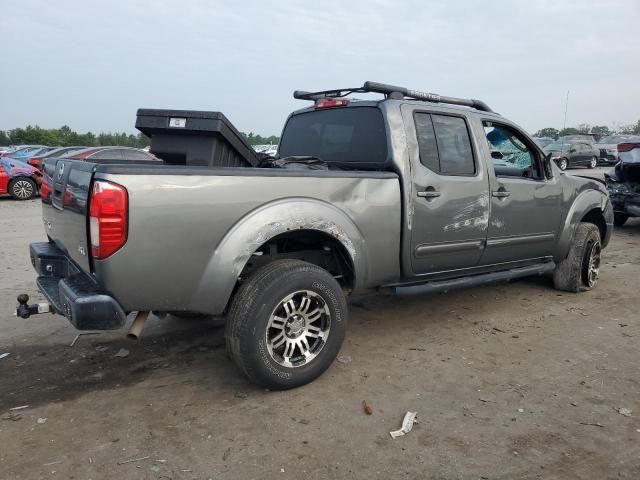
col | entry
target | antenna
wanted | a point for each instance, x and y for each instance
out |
(564, 125)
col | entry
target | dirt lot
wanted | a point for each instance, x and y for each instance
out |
(509, 381)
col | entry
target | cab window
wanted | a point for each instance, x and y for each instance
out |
(510, 153)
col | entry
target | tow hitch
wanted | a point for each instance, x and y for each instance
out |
(24, 310)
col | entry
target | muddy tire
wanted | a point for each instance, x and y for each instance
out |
(619, 219)
(579, 271)
(23, 188)
(286, 324)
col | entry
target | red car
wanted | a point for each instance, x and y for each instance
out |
(19, 179)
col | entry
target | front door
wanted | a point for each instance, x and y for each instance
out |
(526, 207)
(450, 191)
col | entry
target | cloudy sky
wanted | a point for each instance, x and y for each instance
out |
(91, 64)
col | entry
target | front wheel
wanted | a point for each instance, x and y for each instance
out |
(563, 164)
(286, 324)
(23, 188)
(579, 271)
(594, 162)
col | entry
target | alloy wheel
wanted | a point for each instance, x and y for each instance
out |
(298, 328)
(591, 266)
(22, 189)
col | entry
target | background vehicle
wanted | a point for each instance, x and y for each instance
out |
(36, 160)
(543, 141)
(573, 153)
(623, 182)
(608, 146)
(19, 179)
(582, 137)
(271, 150)
(113, 155)
(410, 202)
(22, 152)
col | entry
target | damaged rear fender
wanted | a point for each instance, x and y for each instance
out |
(259, 226)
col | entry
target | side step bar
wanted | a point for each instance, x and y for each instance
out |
(475, 280)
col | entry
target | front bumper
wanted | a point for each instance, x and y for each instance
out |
(72, 292)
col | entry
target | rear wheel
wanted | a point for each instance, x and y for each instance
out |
(579, 271)
(619, 219)
(286, 324)
(563, 164)
(594, 162)
(23, 188)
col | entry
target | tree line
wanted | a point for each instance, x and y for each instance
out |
(585, 128)
(65, 137)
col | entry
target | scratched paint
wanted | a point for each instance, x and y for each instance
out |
(473, 215)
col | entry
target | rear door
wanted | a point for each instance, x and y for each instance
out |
(65, 209)
(450, 192)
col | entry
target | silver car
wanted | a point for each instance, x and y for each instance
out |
(608, 146)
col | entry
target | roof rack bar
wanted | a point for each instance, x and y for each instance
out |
(340, 92)
(429, 97)
(392, 91)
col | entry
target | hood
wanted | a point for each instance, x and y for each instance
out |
(16, 168)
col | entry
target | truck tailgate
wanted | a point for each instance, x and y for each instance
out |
(65, 206)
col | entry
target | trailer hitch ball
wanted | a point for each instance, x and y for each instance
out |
(23, 308)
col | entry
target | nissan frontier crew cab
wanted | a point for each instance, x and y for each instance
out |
(409, 193)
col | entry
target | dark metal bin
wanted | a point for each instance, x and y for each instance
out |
(189, 137)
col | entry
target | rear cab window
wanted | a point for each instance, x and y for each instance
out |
(347, 137)
(445, 144)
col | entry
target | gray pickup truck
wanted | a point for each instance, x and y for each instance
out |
(410, 193)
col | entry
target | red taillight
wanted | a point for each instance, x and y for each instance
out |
(331, 103)
(34, 162)
(108, 212)
(627, 147)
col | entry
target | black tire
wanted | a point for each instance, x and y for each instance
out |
(23, 188)
(563, 163)
(574, 273)
(594, 162)
(251, 335)
(619, 219)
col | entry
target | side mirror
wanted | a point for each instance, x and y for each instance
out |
(573, 150)
(546, 166)
(497, 155)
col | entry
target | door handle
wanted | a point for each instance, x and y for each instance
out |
(429, 192)
(500, 193)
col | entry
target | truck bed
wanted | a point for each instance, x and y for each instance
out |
(187, 226)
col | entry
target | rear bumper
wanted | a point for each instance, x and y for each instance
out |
(72, 292)
(627, 204)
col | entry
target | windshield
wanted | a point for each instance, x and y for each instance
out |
(345, 136)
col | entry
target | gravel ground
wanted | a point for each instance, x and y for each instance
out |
(509, 381)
